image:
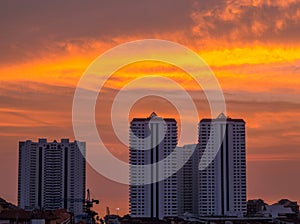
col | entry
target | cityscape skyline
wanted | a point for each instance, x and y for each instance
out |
(252, 47)
(48, 171)
(139, 129)
(185, 146)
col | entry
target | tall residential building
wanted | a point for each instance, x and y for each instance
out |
(188, 179)
(52, 175)
(151, 140)
(222, 185)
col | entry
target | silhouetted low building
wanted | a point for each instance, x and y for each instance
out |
(290, 204)
(255, 207)
(18, 216)
(10, 214)
(286, 220)
(4, 205)
(282, 209)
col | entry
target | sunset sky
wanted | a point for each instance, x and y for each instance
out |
(252, 46)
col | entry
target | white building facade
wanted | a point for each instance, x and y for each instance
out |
(52, 175)
(188, 179)
(222, 184)
(153, 139)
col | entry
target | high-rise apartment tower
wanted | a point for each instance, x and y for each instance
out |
(52, 175)
(222, 184)
(153, 139)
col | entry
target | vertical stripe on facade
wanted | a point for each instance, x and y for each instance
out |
(151, 160)
(40, 168)
(227, 168)
(66, 179)
(222, 170)
(157, 172)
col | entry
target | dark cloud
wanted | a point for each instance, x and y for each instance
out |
(29, 28)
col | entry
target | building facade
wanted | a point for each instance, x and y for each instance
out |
(52, 175)
(188, 179)
(222, 184)
(153, 139)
